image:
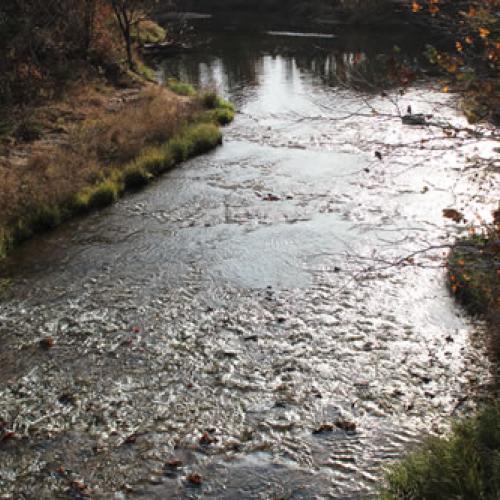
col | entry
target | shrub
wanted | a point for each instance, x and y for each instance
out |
(28, 131)
(472, 265)
(464, 465)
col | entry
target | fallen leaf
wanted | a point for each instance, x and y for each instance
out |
(453, 214)
(345, 425)
(324, 428)
(173, 463)
(195, 479)
(47, 343)
(207, 439)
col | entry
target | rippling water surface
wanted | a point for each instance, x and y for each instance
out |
(248, 297)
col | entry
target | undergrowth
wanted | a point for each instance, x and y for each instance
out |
(465, 465)
(120, 152)
(473, 266)
(181, 88)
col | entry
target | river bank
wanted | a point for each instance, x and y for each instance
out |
(465, 462)
(96, 144)
(216, 326)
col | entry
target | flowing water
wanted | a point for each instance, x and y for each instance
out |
(222, 315)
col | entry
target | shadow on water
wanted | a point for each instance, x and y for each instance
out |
(236, 53)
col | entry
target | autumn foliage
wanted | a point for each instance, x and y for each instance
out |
(472, 64)
(45, 44)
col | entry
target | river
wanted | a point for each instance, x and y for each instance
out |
(213, 322)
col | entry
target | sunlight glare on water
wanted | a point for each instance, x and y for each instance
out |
(224, 314)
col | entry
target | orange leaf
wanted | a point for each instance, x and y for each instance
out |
(484, 32)
(415, 7)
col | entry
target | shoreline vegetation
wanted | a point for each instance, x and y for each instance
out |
(465, 463)
(104, 133)
(94, 130)
(102, 159)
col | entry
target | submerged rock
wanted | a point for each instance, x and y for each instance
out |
(417, 119)
(345, 425)
(324, 428)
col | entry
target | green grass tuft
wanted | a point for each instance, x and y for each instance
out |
(202, 138)
(210, 99)
(102, 195)
(135, 176)
(156, 161)
(178, 148)
(196, 138)
(180, 88)
(145, 71)
(222, 116)
(148, 32)
(220, 110)
(464, 465)
(46, 217)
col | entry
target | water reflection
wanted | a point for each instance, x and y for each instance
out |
(203, 305)
(232, 60)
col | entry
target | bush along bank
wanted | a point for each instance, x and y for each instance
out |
(466, 464)
(196, 131)
(473, 266)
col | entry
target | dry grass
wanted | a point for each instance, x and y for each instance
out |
(89, 151)
(96, 144)
(151, 119)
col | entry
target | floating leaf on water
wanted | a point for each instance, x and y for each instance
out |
(345, 425)
(207, 439)
(195, 479)
(453, 214)
(173, 463)
(47, 343)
